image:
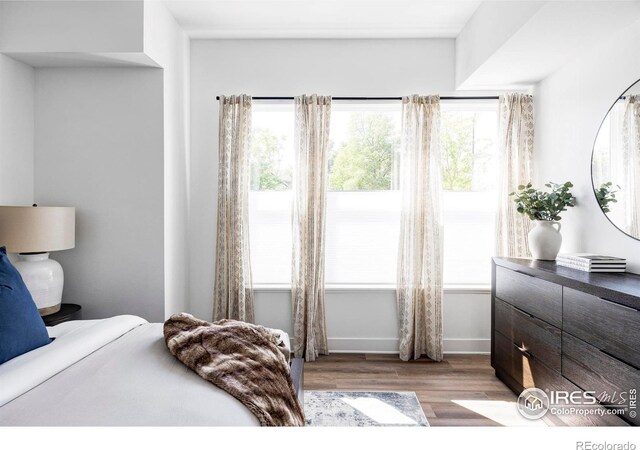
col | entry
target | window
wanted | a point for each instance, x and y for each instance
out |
(469, 175)
(270, 194)
(363, 216)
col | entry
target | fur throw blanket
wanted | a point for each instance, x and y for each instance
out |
(244, 360)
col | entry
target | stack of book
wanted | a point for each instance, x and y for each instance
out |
(589, 262)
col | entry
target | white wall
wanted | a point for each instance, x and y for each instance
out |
(90, 124)
(570, 106)
(17, 83)
(490, 27)
(71, 26)
(99, 147)
(356, 320)
(168, 45)
(366, 320)
(513, 45)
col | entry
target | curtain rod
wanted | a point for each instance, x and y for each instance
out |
(490, 97)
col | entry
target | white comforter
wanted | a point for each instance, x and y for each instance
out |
(115, 371)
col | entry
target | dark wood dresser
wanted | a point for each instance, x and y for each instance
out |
(561, 329)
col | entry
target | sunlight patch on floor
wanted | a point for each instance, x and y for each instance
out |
(379, 411)
(502, 412)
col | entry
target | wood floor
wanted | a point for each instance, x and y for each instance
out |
(437, 385)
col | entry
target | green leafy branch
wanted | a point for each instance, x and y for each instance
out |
(605, 195)
(541, 205)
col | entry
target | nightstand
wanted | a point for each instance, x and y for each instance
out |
(68, 311)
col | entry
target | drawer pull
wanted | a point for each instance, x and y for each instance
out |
(524, 313)
(618, 359)
(524, 273)
(621, 306)
(522, 350)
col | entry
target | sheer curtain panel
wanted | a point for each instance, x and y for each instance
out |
(233, 293)
(631, 164)
(515, 156)
(419, 288)
(312, 120)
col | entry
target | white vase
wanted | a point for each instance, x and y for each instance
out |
(545, 240)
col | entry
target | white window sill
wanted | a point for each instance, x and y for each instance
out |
(450, 289)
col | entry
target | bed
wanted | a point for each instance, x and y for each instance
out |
(113, 372)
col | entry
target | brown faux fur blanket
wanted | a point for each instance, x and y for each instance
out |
(243, 360)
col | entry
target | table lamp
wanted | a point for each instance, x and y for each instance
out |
(33, 232)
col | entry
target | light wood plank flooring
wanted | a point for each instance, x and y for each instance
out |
(437, 385)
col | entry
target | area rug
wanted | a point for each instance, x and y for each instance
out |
(363, 409)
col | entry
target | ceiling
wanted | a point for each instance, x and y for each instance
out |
(207, 19)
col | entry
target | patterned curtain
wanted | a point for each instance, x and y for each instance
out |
(630, 180)
(419, 289)
(233, 292)
(313, 116)
(515, 156)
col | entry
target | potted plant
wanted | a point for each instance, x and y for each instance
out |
(544, 209)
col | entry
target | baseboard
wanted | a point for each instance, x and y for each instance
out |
(390, 345)
(363, 345)
(474, 346)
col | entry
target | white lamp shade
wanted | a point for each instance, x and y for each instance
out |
(35, 229)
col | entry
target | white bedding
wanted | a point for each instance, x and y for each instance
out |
(115, 371)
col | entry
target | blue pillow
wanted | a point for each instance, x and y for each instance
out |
(21, 327)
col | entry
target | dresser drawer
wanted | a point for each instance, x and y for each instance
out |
(538, 297)
(593, 370)
(610, 327)
(538, 338)
(524, 367)
(526, 372)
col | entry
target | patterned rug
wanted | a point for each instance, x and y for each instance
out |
(363, 409)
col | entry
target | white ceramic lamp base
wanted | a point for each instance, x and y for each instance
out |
(44, 278)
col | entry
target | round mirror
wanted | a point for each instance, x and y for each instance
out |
(615, 165)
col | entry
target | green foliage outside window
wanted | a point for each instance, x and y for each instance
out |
(268, 172)
(456, 151)
(365, 161)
